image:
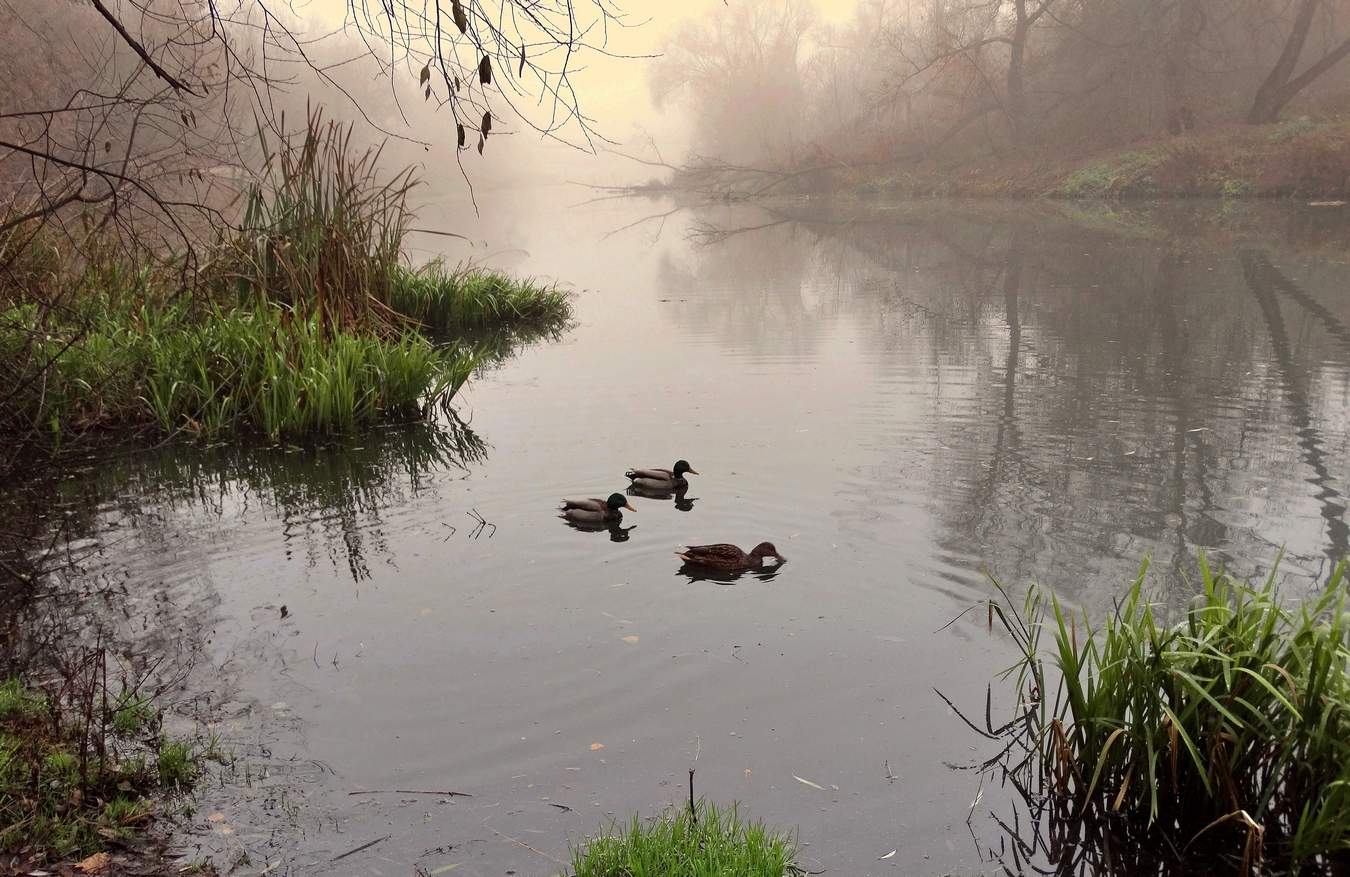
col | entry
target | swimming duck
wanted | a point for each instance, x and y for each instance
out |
(729, 557)
(661, 479)
(594, 510)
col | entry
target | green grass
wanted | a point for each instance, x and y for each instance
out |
(465, 300)
(1225, 734)
(17, 702)
(176, 763)
(65, 790)
(132, 714)
(719, 843)
(218, 371)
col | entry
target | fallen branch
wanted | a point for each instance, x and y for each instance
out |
(410, 792)
(365, 846)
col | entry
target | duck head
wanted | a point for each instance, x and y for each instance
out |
(766, 549)
(681, 467)
(617, 501)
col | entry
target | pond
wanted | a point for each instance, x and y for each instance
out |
(904, 398)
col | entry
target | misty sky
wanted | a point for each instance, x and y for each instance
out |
(614, 91)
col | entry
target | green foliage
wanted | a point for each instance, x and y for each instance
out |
(465, 301)
(176, 763)
(17, 702)
(232, 370)
(132, 714)
(1292, 129)
(718, 842)
(1230, 728)
(1126, 171)
(65, 790)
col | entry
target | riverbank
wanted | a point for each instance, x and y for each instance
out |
(1299, 158)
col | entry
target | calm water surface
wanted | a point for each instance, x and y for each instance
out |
(902, 398)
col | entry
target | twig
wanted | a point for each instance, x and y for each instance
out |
(517, 841)
(693, 811)
(365, 846)
(410, 792)
(174, 82)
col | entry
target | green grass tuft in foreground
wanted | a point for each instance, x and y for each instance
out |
(66, 789)
(720, 843)
(1224, 735)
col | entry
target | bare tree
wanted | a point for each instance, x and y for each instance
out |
(1281, 85)
(152, 102)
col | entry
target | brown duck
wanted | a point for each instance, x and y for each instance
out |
(729, 557)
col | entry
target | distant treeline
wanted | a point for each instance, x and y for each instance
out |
(768, 83)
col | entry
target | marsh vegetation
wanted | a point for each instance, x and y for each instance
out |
(1147, 744)
(306, 320)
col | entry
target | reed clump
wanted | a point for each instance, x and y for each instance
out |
(683, 843)
(1224, 737)
(302, 320)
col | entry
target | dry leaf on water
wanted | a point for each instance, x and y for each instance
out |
(630, 639)
(808, 783)
(597, 746)
(95, 864)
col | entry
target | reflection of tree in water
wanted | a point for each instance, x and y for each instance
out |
(150, 601)
(1094, 396)
(760, 288)
(1265, 280)
(328, 500)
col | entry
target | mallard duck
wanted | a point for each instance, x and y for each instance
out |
(594, 510)
(661, 479)
(729, 557)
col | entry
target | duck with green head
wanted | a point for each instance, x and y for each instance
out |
(595, 510)
(662, 479)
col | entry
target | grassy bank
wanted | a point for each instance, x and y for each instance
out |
(82, 769)
(1299, 158)
(304, 319)
(1224, 737)
(682, 843)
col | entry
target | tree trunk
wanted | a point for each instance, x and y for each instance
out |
(1190, 21)
(1016, 97)
(1281, 86)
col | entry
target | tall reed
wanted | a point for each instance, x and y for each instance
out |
(322, 231)
(1225, 734)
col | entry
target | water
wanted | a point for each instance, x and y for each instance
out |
(904, 398)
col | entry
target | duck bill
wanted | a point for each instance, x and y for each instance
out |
(693, 472)
(629, 507)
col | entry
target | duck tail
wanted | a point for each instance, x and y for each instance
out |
(630, 474)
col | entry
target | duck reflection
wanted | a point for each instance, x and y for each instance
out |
(616, 530)
(683, 501)
(696, 573)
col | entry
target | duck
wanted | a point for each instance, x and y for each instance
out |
(661, 479)
(595, 510)
(728, 557)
